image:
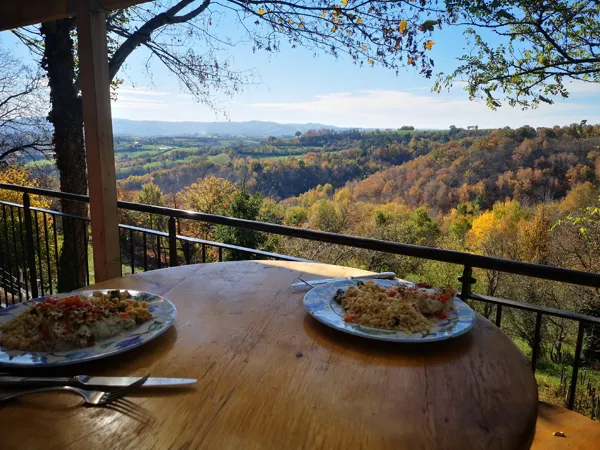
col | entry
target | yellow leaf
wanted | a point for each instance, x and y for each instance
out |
(370, 10)
(279, 20)
(403, 28)
(364, 47)
(261, 12)
(345, 2)
(300, 25)
(429, 44)
(370, 61)
(334, 29)
(291, 22)
(359, 21)
(323, 15)
(411, 61)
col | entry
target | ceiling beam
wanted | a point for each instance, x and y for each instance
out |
(19, 13)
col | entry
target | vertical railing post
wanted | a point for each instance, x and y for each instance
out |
(466, 281)
(29, 245)
(576, 362)
(187, 252)
(535, 351)
(498, 315)
(172, 242)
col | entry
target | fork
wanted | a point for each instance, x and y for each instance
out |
(91, 398)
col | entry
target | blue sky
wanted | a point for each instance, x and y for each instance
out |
(293, 86)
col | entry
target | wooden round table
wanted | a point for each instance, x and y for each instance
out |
(272, 377)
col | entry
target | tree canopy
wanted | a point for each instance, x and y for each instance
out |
(525, 52)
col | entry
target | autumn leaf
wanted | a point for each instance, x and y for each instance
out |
(323, 14)
(428, 44)
(428, 25)
(364, 47)
(411, 61)
(261, 12)
(300, 25)
(403, 28)
(291, 22)
(345, 2)
(279, 20)
(370, 61)
(359, 21)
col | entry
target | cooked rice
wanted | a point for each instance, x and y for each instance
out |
(72, 322)
(395, 308)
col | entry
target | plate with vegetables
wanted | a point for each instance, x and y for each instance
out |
(76, 327)
(391, 310)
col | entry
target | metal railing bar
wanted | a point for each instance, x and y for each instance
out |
(14, 205)
(17, 259)
(535, 349)
(47, 251)
(62, 214)
(576, 363)
(215, 244)
(537, 308)
(39, 253)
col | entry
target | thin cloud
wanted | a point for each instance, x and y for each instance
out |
(391, 109)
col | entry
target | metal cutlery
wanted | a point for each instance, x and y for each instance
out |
(85, 381)
(375, 276)
(91, 398)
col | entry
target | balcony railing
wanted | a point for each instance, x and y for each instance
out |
(30, 240)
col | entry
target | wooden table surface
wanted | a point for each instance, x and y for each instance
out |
(270, 376)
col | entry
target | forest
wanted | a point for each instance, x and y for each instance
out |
(524, 194)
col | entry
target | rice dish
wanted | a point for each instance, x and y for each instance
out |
(76, 321)
(411, 309)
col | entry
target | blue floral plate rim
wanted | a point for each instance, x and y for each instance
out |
(163, 316)
(319, 303)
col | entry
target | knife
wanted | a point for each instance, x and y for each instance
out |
(375, 276)
(87, 381)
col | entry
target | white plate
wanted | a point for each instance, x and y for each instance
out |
(320, 304)
(163, 315)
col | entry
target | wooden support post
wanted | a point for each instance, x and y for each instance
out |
(95, 89)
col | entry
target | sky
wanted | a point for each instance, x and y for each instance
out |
(295, 86)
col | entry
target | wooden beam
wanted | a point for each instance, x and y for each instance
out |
(20, 13)
(102, 184)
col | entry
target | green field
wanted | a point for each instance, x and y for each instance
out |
(221, 158)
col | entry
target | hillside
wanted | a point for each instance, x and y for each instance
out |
(277, 167)
(145, 128)
(530, 166)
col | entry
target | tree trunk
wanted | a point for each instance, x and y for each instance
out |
(66, 116)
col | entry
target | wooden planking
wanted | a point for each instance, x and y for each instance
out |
(272, 377)
(581, 432)
(102, 184)
(15, 13)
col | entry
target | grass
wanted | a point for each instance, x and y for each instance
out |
(221, 158)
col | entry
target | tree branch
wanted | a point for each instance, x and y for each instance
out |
(144, 33)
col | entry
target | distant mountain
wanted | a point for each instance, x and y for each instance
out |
(126, 127)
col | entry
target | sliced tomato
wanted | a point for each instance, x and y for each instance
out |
(441, 315)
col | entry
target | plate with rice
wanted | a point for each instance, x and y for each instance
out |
(81, 326)
(391, 310)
